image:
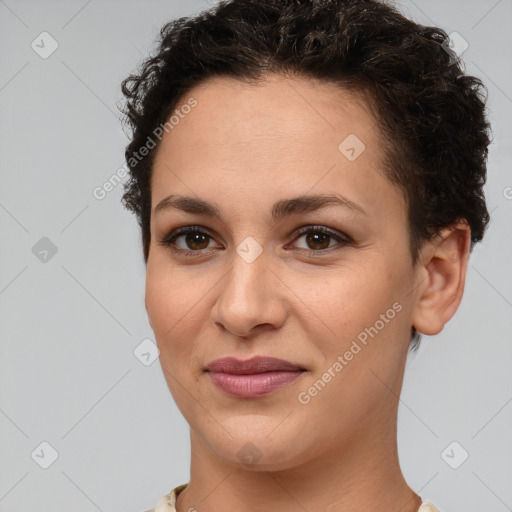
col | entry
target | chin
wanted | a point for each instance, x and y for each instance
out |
(250, 447)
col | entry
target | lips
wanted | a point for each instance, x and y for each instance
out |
(254, 377)
(254, 365)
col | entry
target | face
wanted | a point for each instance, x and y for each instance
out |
(323, 284)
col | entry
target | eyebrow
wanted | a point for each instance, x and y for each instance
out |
(281, 209)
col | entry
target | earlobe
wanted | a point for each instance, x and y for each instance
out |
(444, 266)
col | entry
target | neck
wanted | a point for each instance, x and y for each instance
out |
(363, 474)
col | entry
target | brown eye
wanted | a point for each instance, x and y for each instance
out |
(319, 238)
(196, 241)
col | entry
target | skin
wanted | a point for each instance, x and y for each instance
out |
(244, 147)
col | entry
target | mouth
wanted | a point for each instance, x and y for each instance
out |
(254, 377)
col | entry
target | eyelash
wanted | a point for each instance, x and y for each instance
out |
(168, 241)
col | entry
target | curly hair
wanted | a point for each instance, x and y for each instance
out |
(432, 116)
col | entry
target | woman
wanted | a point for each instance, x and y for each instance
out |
(308, 180)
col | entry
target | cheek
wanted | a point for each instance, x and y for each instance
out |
(170, 295)
(166, 305)
(364, 310)
(175, 303)
(347, 299)
(170, 313)
(160, 305)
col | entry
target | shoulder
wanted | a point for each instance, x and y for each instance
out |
(426, 506)
(168, 502)
(164, 505)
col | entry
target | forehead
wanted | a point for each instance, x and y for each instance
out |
(296, 133)
(288, 110)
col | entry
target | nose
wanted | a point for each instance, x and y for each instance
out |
(251, 298)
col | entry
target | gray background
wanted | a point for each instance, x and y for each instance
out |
(69, 325)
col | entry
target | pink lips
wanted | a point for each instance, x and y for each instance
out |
(252, 378)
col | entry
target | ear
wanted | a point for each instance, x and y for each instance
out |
(442, 276)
